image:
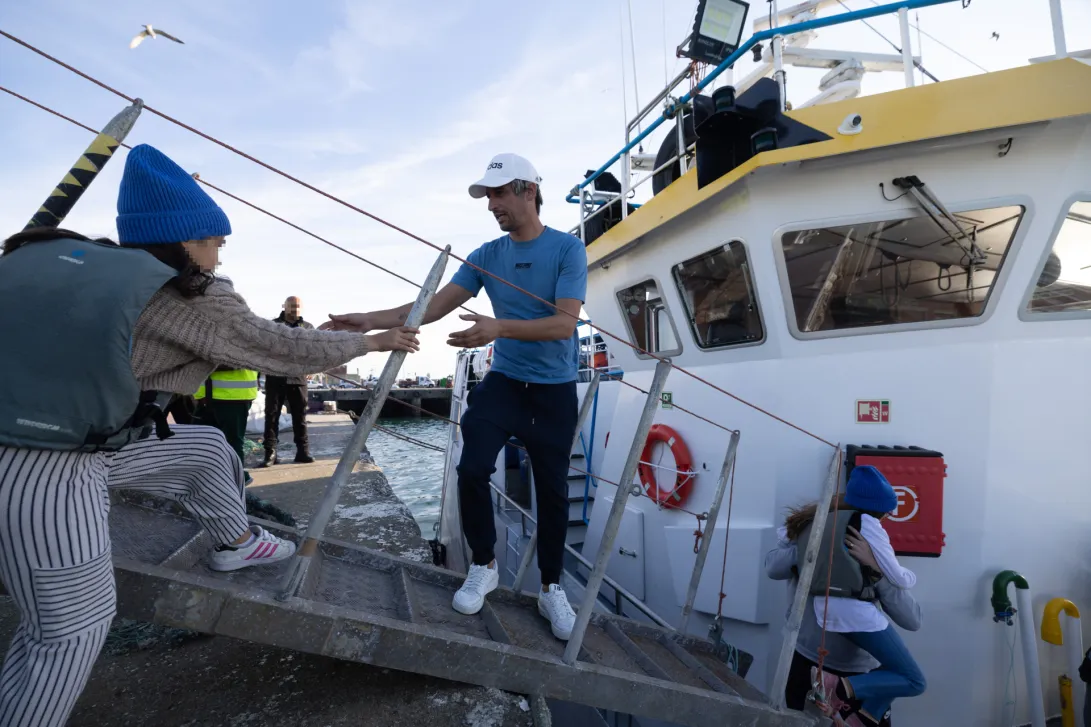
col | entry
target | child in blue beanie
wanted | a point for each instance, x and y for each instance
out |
(863, 700)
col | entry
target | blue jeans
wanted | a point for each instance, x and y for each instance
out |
(897, 676)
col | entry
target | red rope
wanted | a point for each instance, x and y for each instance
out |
(405, 232)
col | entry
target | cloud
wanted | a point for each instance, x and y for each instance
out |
(359, 51)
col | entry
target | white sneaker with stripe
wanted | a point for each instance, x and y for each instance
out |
(264, 548)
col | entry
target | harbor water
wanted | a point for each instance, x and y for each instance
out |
(414, 472)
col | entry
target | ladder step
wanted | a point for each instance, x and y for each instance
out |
(639, 656)
(406, 597)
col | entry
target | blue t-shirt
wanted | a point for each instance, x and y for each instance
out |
(552, 266)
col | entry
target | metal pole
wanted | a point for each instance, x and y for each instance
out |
(1059, 45)
(626, 179)
(583, 231)
(803, 587)
(907, 47)
(351, 455)
(778, 59)
(613, 522)
(585, 409)
(710, 528)
(681, 127)
(65, 195)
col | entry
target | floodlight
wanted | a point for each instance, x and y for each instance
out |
(717, 30)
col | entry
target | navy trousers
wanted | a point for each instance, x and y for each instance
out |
(543, 417)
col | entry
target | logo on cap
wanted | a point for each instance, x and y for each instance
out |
(496, 165)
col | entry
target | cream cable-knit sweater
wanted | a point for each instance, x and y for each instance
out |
(178, 341)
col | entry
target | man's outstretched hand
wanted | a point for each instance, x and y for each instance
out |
(484, 330)
(354, 322)
(396, 339)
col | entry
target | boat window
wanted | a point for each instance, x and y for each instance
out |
(650, 324)
(718, 296)
(900, 271)
(1064, 282)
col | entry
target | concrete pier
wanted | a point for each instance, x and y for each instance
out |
(437, 401)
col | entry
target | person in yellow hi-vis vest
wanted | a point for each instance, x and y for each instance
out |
(224, 401)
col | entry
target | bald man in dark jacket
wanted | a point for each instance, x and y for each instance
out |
(292, 391)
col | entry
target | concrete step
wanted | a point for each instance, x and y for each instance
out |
(362, 605)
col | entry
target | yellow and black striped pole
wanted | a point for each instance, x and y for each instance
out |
(83, 172)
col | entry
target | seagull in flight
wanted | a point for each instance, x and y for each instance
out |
(149, 32)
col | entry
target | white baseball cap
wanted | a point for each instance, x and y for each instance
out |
(502, 169)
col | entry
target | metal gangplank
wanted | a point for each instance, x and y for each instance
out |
(349, 602)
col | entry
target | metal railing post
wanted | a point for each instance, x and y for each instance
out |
(681, 129)
(803, 587)
(626, 178)
(613, 522)
(907, 47)
(778, 59)
(585, 409)
(86, 169)
(583, 217)
(1060, 48)
(317, 525)
(710, 528)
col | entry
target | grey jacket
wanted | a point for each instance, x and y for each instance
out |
(844, 655)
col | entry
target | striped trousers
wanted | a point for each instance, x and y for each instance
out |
(55, 552)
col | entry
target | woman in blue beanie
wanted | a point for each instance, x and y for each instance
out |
(138, 327)
(863, 700)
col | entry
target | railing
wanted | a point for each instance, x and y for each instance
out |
(675, 110)
(302, 559)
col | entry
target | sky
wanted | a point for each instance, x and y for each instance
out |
(395, 107)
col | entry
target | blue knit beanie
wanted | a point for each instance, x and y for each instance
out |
(159, 203)
(868, 490)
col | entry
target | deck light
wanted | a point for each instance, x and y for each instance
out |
(717, 30)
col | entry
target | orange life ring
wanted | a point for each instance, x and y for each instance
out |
(682, 463)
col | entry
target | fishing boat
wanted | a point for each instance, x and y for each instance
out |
(901, 279)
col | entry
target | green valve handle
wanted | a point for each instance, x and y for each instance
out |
(1002, 608)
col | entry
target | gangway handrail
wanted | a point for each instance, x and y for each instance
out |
(301, 561)
(668, 113)
(613, 521)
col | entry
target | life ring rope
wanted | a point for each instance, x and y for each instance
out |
(683, 467)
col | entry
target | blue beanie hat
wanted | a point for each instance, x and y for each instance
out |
(869, 490)
(159, 203)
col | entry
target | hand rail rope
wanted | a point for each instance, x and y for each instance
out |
(407, 233)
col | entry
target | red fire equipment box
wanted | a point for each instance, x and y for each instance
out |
(916, 527)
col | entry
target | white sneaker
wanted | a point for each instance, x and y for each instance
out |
(264, 549)
(480, 581)
(553, 605)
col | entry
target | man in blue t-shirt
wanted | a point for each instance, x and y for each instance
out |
(530, 390)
